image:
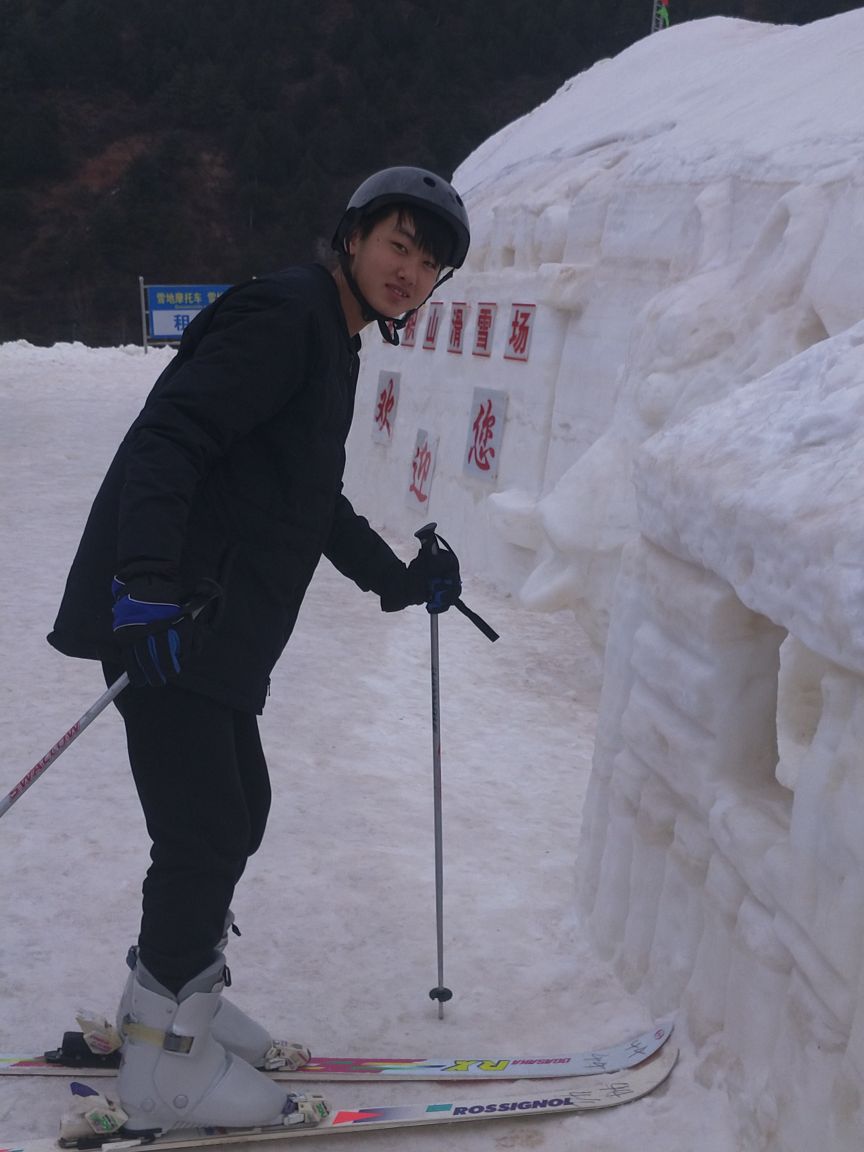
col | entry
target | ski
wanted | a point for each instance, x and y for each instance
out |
(74, 1058)
(596, 1092)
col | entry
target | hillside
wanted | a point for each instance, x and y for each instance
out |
(209, 141)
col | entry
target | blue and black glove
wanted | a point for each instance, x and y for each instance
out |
(432, 578)
(154, 627)
(439, 569)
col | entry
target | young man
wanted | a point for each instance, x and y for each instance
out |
(202, 540)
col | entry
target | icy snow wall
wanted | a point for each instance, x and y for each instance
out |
(643, 400)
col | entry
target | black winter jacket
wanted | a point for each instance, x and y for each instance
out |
(233, 471)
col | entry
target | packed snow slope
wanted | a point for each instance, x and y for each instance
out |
(337, 910)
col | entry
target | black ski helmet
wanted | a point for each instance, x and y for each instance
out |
(409, 186)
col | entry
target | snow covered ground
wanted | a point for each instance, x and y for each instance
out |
(337, 910)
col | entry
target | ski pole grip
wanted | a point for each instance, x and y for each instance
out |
(205, 594)
(427, 537)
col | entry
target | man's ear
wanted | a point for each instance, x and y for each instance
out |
(351, 241)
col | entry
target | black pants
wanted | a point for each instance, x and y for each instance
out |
(202, 780)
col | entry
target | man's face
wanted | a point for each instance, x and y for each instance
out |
(392, 271)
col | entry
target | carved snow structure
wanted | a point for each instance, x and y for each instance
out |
(722, 863)
(682, 467)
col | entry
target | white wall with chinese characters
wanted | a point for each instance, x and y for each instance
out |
(509, 350)
(680, 465)
(668, 245)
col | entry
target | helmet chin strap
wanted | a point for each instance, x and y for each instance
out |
(389, 326)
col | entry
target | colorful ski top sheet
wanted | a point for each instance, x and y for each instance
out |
(595, 1092)
(588, 1063)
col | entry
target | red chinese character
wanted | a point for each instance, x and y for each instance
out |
(410, 333)
(520, 330)
(431, 336)
(484, 429)
(483, 335)
(457, 325)
(420, 471)
(386, 401)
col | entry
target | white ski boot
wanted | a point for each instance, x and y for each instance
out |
(233, 1029)
(175, 1074)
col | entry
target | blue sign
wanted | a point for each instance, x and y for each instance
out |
(171, 307)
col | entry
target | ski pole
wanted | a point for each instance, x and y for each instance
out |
(428, 540)
(63, 743)
(193, 608)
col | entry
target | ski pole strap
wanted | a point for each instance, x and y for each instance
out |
(477, 621)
